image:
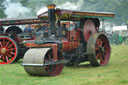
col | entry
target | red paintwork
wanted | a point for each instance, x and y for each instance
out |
(31, 44)
(54, 51)
(72, 41)
(69, 45)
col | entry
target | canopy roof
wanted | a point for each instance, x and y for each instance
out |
(76, 15)
(5, 22)
(61, 14)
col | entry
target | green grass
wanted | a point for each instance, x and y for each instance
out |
(115, 73)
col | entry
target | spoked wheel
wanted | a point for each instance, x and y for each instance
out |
(99, 49)
(8, 50)
(42, 56)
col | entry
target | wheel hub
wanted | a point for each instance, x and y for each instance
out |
(3, 50)
(102, 50)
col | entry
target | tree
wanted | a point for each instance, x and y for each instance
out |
(2, 14)
(122, 12)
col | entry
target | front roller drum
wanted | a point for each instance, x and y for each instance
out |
(99, 49)
(42, 56)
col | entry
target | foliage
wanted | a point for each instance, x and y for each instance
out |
(2, 15)
(122, 11)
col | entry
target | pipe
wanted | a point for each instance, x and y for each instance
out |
(51, 17)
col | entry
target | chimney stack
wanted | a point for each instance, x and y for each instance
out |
(51, 17)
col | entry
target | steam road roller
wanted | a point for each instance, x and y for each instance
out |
(72, 37)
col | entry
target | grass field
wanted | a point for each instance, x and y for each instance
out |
(115, 73)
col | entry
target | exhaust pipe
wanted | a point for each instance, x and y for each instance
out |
(51, 17)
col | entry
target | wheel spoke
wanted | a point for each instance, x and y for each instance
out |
(7, 44)
(1, 44)
(12, 53)
(96, 48)
(7, 59)
(9, 55)
(97, 56)
(102, 38)
(101, 57)
(103, 44)
(102, 60)
(4, 42)
(97, 42)
(100, 42)
(105, 48)
(11, 49)
(49, 57)
(0, 56)
(3, 57)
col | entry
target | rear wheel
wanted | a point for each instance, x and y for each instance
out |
(8, 50)
(99, 49)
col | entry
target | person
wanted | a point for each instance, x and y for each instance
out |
(64, 30)
(28, 29)
(1, 29)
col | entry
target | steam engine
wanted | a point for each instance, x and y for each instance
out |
(79, 42)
